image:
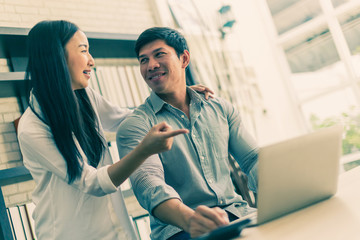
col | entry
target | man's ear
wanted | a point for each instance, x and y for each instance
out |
(185, 57)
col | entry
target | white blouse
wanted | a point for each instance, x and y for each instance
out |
(83, 209)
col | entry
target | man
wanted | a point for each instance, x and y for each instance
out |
(187, 190)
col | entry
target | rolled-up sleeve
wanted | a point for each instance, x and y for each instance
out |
(147, 181)
(242, 146)
(253, 178)
(104, 180)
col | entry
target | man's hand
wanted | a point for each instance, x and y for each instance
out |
(196, 222)
(206, 219)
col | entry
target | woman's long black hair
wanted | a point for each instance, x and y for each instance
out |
(65, 111)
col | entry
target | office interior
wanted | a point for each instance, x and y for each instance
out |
(291, 67)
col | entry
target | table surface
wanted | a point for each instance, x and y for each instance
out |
(337, 218)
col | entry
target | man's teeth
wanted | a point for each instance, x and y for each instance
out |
(157, 76)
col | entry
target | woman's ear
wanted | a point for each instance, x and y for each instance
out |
(185, 57)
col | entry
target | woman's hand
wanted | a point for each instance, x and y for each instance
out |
(160, 138)
(203, 89)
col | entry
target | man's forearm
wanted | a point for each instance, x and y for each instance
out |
(174, 212)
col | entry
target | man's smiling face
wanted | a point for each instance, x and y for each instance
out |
(161, 68)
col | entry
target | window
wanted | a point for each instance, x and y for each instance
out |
(321, 42)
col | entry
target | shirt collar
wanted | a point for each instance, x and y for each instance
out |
(157, 103)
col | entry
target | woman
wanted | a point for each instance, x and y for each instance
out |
(62, 141)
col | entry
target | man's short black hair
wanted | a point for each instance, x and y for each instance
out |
(170, 36)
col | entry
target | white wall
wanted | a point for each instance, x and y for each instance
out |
(119, 16)
(9, 152)
(254, 35)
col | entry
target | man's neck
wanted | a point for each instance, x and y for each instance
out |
(178, 99)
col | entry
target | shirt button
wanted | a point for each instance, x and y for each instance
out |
(221, 201)
(194, 136)
(202, 158)
(182, 116)
(210, 181)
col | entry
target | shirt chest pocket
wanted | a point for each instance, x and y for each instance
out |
(218, 141)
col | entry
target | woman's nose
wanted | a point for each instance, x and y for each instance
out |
(91, 61)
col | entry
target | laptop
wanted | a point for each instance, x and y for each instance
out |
(297, 173)
(293, 174)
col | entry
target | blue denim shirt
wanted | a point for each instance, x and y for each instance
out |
(196, 169)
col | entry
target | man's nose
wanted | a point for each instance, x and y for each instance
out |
(153, 64)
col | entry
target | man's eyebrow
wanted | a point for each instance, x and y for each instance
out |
(83, 45)
(155, 50)
(142, 56)
(158, 49)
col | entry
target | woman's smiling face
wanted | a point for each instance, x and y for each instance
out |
(79, 60)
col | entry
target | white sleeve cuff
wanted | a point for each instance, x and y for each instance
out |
(104, 180)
